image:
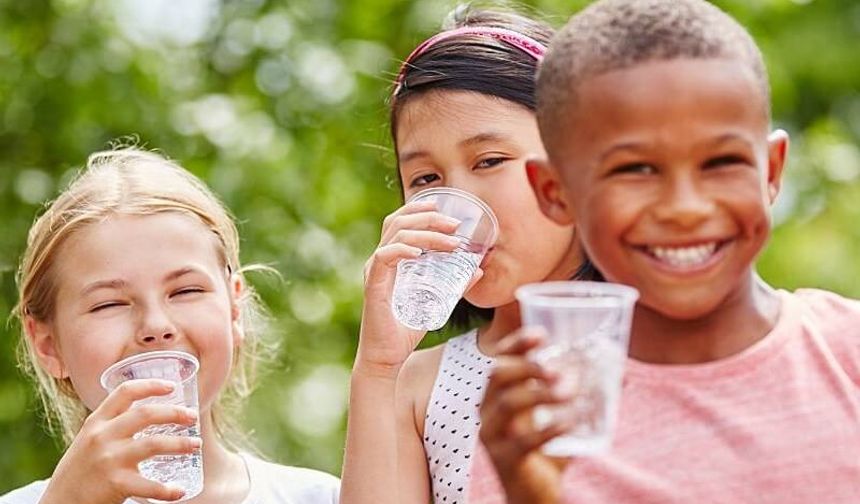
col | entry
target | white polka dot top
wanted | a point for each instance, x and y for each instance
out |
(452, 420)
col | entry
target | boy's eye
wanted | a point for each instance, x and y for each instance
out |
(490, 162)
(424, 180)
(727, 160)
(634, 168)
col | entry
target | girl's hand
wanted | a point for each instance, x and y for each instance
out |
(518, 385)
(100, 466)
(384, 343)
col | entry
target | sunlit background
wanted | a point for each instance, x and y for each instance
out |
(280, 107)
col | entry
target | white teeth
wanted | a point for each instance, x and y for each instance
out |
(684, 256)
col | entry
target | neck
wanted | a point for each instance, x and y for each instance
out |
(506, 319)
(738, 322)
(226, 479)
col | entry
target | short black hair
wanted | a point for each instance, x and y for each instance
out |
(616, 34)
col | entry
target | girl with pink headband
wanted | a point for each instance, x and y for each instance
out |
(462, 116)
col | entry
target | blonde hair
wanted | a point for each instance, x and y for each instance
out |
(130, 181)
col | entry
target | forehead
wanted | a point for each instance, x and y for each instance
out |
(136, 246)
(446, 117)
(678, 100)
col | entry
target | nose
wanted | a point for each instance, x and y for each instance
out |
(684, 203)
(155, 327)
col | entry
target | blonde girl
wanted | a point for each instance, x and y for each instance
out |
(138, 255)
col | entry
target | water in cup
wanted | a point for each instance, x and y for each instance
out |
(184, 471)
(588, 329)
(589, 372)
(427, 288)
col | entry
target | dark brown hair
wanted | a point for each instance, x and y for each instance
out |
(483, 65)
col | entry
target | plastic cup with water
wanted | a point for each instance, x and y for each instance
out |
(184, 471)
(588, 332)
(427, 288)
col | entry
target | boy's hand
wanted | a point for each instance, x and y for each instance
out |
(517, 385)
(100, 466)
(385, 344)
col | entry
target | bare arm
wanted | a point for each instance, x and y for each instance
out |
(375, 465)
(370, 461)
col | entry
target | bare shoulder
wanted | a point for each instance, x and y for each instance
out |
(415, 382)
(419, 371)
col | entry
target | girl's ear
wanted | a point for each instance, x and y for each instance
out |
(549, 191)
(44, 343)
(237, 291)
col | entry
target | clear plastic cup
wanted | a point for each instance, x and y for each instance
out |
(427, 289)
(183, 471)
(588, 332)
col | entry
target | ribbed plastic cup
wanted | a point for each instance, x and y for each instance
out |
(427, 288)
(588, 333)
(183, 471)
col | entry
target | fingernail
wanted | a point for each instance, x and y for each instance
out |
(195, 442)
(453, 241)
(451, 220)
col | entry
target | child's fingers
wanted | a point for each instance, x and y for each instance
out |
(385, 259)
(150, 446)
(140, 417)
(138, 486)
(429, 221)
(407, 209)
(427, 240)
(127, 392)
(520, 342)
(509, 371)
(528, 442)
(514, 401)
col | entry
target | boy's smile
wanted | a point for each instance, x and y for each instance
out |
(671, 175)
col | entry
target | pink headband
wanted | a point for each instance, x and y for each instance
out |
(522, 42)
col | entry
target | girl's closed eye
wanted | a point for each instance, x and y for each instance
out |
(104, 306)
(187, 291)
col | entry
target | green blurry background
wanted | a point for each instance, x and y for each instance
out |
(280, 107)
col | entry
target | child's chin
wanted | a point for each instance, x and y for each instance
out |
(687, 307)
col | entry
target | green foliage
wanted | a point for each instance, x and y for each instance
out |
(280, 107)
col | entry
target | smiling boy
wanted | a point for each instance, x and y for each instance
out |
(656, 119)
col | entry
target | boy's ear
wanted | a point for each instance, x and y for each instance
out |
(777, 150)
(44, 344)
(549, 191)
(237, 291)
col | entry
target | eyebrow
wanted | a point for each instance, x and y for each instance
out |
(103, 284)
(728, 137)
(466, 142)
(118, 283)
(187, 270)
(633, 146)
(619, 147)
(483, 138)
